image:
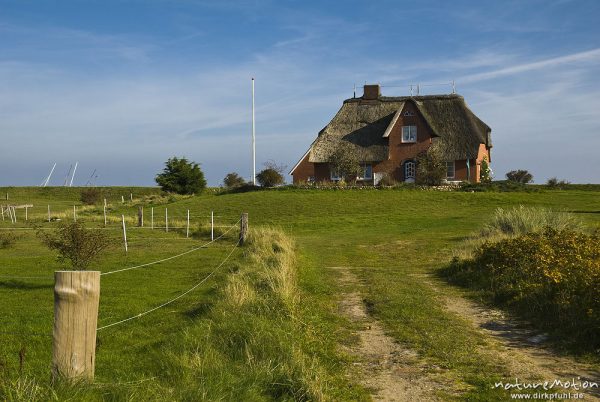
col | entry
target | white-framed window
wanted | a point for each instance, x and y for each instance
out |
(334, 174)
(409, 113)
(367, 172)
(409, 133)
(410, 170)
(450, 170)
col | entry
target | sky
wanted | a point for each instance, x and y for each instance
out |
(121, 86)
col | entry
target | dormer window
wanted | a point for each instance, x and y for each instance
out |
(409, 133)
(409, 113)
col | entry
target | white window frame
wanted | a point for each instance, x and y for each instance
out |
(364, 176)
(453, 164)
(334, 175)
(411, 131)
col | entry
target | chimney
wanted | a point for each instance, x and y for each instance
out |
(371, 92)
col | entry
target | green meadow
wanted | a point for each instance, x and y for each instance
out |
(280, 339)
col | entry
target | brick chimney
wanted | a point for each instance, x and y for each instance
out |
(371, 92)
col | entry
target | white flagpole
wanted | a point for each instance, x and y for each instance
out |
(253, 139)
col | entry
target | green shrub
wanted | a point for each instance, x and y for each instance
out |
(520, 176)
(387, 180)
(91, 196)
(431, 167)
(76, 244)
(271, 175)
(486, 172)
(181, 176)
(523, 220)
(7, 239)
(554, 183)
(552, 278)
(233, 180)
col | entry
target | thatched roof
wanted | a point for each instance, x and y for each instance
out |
(366, 123)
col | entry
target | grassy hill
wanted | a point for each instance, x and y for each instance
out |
(393, 238)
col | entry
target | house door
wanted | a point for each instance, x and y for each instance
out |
(409, 171)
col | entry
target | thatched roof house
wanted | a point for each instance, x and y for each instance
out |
(389, 132)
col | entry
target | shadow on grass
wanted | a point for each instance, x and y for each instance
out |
(20, 285)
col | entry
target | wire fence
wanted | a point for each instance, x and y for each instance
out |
(175, 298)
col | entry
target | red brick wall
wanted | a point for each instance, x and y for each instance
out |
(400, 151)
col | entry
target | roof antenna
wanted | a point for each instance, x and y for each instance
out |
(411, 93)
(453, 87)
(418, 90)
(354, 90)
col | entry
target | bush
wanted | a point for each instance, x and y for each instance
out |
(233, 180)
(521, 220)
(387, 180)
(550, 277)
(485, 175)
(346, 161)
(431, 167)
(554, 183)
(520, 176)
(271, 176)
(76, 244)
(91, 196)
(181, 176)
(7, 239)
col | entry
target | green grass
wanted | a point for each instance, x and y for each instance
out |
(391, 237)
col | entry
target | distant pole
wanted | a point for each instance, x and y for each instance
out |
(105, 203)
(14, 212)
(453, 87)
(212, 225)
(187, 229)
(131, 196)
(152, 218)
(122, 200)
(166, 220)
(73, 176)
(124, 232)
(243, 228)
(74, 214)
(26, 207)
(76, 299)
(104, 215)
(253, 140)
(48, 213)
(6, 196)
(2, 209)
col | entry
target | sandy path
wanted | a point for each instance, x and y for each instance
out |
(391, 371)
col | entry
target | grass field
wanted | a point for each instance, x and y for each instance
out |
(391, 237)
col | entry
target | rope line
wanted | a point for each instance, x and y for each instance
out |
(173, 256)
(176, 298)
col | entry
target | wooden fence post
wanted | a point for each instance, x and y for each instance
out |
(166, 220)
(212, 225)
(243, 228)
(26, 208)
(74, 214)
(105, 214)
(2, 208)
(140, 217)
(76, 297)
(48, 212)
(152, 218)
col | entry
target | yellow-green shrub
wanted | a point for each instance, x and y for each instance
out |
(551, 277)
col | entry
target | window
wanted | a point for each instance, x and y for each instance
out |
(335, 174)
(409, 113)
(311, 179)
(367, 172)
(450, 169)
(409, 133)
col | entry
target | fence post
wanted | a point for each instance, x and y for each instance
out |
(2, 209)
(187, 228)
(166, 220)
(212, 225)
(243, 228)
(14, 214)
(74, 214)
(76, 297)
(124, 232)
(48, 212)
(122, 200)
(140, 217)
(105, 214)
(131, 196)
(152, 218)
(26, 208)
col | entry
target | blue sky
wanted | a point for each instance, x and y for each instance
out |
(120, 86)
